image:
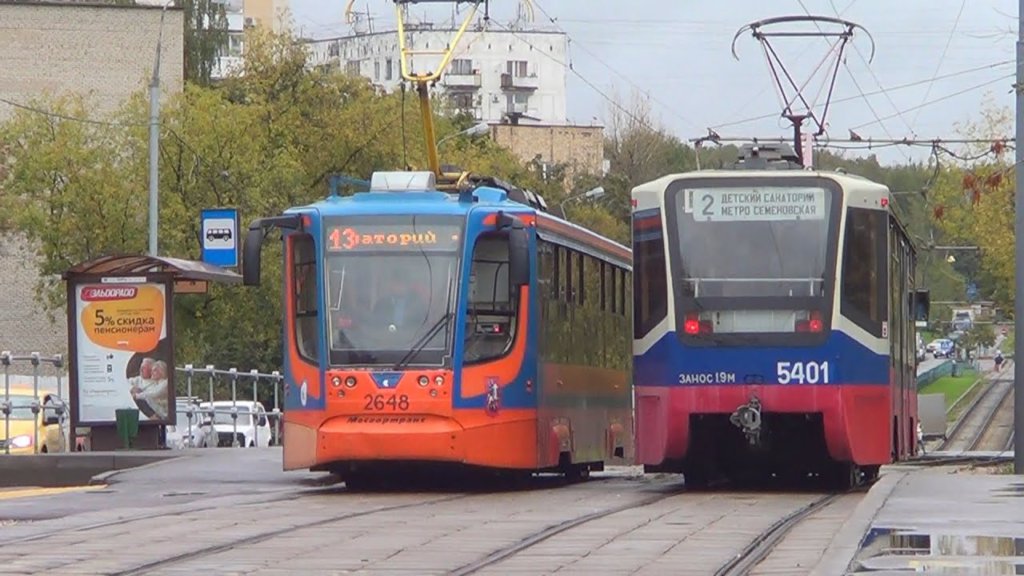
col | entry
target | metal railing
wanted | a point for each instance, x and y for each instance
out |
(944, 368)
(8, 408)
(217, 382)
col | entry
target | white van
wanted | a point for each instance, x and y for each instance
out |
(252, 426)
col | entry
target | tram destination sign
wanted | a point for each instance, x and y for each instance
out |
(756, 204)
(392, 237)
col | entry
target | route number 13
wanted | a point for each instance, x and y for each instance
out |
(802, 372)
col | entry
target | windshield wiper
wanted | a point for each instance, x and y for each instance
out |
(422, 342)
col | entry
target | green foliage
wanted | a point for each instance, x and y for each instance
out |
(206, 37)
(263, 141)
(980, 335)
(972, 204)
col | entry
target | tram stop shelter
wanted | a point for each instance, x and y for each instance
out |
(121, 345)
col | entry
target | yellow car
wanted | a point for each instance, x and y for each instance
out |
(49, 425)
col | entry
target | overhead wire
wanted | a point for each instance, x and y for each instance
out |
(673, 110)
(876, 92)
(60, 116)
(940, 99)
(575, 72)
(942, 57)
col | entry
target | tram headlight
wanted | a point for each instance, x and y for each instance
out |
(335, 381)
(439, 380)
(350, 381)
(424, 380)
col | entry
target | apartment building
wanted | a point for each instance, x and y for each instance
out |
(496, 75)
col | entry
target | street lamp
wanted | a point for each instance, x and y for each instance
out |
(592, 194)
(475, 130)
(154, 137)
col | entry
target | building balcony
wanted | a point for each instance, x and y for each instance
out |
(471, 81)
(225, 66)
(510, 82)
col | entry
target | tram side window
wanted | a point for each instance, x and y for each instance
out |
(492, 311)
(864, 291)
(304, 294)
(650, 304)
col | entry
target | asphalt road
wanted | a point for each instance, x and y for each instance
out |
(198, 476)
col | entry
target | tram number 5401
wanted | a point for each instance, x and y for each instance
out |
(802, 372)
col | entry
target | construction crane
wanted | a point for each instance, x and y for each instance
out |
(423, 80)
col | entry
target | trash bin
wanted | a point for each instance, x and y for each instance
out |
(127, 424)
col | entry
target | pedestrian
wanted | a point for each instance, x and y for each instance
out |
(999, 360)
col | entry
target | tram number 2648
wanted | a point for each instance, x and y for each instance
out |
(380, 402)
(802, 372)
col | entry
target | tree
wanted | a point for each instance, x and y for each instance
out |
(979, 336)
(262, 141)
(206, 37)
(972, 203)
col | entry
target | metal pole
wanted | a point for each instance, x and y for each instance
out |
(5, 359)
(154, 138)
(1018, 300)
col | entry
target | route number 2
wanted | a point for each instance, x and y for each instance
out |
(709, 203)
(802, 372)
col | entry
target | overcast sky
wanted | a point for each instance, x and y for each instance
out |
(678, 52)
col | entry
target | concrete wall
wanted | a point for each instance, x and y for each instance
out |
(100, 50)
(580, 148)
(24, 325)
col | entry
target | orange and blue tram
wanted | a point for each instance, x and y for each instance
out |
(470, 328)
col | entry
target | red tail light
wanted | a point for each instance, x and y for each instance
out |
(694, 325)
(814, 324)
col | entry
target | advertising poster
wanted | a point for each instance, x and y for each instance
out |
(123, 353)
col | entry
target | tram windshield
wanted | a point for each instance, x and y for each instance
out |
(753, 255)
(753, 241)
(391, 287)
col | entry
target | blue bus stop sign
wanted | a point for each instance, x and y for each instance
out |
(219, 236)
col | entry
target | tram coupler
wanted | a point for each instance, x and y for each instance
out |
(747, 418)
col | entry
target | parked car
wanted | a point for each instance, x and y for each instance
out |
(944, 348)
(252, 426)
(199, 433)
(50, 427)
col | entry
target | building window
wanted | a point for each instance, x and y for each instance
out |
(462, 67)
(352, 68)
(462, 101)
(516, 68)
(864, 289)
(388, 69)
(518, 102)
(376, 70)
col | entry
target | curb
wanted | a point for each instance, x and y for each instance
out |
(106, 478)
(841, 551)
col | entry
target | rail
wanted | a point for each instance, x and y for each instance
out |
(29, 395)
(12, 411)
(217, 380)
(945, 368)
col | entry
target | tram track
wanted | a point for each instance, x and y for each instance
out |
(235, 532)
(263, 537)
(969, 429)
(546, 533)
(758, 549)
(998, 425)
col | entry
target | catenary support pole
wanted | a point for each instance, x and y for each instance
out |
(1018, 305)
